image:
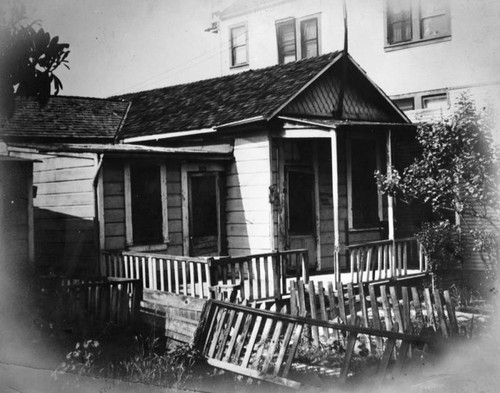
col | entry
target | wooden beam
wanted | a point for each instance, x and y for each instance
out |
(390, 199)
(335, 200)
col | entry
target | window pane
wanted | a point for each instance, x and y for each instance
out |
(439, 101)
(240, 55)
(399, 27)
(435, 27)
(147, 221)
(405, 104)
(364, 189)
(238, 36)
(286, 42)
(309, 38)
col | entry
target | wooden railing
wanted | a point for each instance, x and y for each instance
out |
(168, 273)
(384, 259)
(255, 277)
(261, 276)
(114, 300)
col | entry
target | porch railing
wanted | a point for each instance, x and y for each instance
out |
(384, 259)
(255, 277)
(261, 276)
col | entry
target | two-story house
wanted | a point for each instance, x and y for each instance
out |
(423, 53)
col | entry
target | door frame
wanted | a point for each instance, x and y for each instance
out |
(188, 169)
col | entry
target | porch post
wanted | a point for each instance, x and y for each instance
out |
(390, 205)
(335, 200)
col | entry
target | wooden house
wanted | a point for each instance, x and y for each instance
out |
(72, 141)
(304, 140)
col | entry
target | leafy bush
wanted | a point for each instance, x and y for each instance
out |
(442, 246)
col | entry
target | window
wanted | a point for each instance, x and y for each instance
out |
(436, 101)
(286, 42)
(145, 204)
(309, 38)
(239, 50)
(410, 21)
(399, 21)
(405, 104)
(290, 46)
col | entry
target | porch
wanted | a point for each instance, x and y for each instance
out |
(264, 276)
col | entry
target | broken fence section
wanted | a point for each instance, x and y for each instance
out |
(378, 306)
(261, 344)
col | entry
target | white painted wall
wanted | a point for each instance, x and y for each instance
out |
(248, 211)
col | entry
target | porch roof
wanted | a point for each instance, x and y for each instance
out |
(220, 152)
(329, 124)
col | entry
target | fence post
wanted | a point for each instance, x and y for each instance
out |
(136, 300)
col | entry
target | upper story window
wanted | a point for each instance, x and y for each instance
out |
(297, 39)
(435, 101)
(410, 21)
(239, 45)
(405, 104)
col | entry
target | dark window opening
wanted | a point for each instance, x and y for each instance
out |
(300, 203)
(364, 193)
(405, 104)
(147, 217)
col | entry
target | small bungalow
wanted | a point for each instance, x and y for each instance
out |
(279, 158)
(302, 141)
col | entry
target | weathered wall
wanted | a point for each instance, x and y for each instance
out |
(64, 210)
(248, 211)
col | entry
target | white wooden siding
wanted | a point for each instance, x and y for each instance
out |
(248, 211)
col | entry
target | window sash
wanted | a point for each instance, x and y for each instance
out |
(399, 21)
(287, 47)
(239, 39)
(309, 38)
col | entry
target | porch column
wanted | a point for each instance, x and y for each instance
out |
(390, 205)
(335, 200)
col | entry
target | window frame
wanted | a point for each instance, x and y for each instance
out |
(232, 57)
(299, 39)
(129, 233)
(416, 27)
(281, 53)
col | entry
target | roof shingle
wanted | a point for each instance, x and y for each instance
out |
(74, 118)
(212, 102)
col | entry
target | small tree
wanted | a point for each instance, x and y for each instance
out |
(456, 173)
(28, 59)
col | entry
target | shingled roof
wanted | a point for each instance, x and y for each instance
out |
(213, 102)
(65, 118)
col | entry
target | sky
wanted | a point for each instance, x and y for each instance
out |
(120, 46)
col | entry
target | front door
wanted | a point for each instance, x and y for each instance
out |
(301, 214)
(204, 214)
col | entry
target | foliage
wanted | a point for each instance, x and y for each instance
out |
(456, 173)
(442, 245)
(148, 364)
(82, 360)
(29, 57)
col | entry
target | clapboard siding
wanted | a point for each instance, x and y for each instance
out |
(64, 210)
(114, 205)
(248, 211)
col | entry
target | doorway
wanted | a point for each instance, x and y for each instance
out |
(301, 213)
(204, 214)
